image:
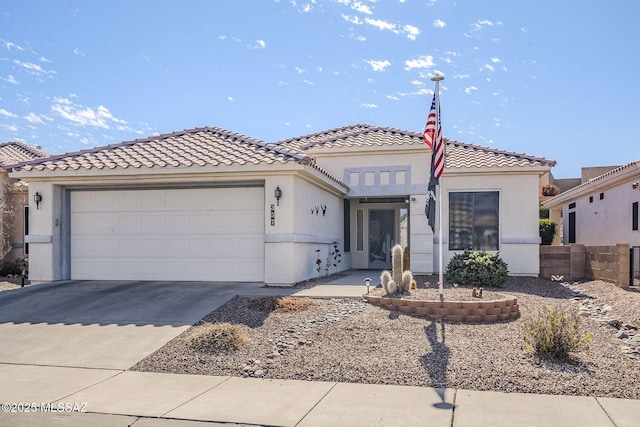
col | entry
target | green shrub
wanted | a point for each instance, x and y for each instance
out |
(218, 337)
(547, 231)
(477, 268)
(544, 212)
(554, 333)
(11, 267)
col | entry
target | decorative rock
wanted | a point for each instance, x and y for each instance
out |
(259, 373)
(621, 335)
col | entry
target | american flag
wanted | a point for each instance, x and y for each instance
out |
(434, 141)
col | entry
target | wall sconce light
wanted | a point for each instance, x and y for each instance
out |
(37, 198)
(367, 283)
(278, 194)
(635, 185)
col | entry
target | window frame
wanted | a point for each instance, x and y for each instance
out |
(467, 223)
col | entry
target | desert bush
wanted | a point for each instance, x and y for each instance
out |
(292, 304)
(547, 231)
(477, 268)
(219, 337)
(554, 333)
(11, 267)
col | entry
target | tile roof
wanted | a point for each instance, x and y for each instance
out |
(459, 154)
(199, 146)
(214, 146)
(465, 155)
(16, 151)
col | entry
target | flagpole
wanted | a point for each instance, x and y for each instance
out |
(438, 79)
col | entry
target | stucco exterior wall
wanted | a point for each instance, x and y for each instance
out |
(604, 221)
(518, 228)
(308, 218)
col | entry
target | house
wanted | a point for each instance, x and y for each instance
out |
(603, 210)
(14, 202)
(210, 204)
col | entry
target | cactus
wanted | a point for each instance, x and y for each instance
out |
(406, 259)
(388, 284)
(399, 280)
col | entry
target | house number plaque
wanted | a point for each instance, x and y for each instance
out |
(273, 214)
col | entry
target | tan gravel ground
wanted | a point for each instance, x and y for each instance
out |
(351, 341)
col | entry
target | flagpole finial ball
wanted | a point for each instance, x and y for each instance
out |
(437, 78)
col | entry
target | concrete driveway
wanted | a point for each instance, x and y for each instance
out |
(102, 324)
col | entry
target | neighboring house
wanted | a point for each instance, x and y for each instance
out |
(209, 204)
(14, 202)
(603, 210)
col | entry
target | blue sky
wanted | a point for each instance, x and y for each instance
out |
(556, 79)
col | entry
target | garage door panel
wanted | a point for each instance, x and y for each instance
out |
(187, 234)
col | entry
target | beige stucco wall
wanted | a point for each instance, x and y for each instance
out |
(291, 244)
(519, 229)
(606, 221)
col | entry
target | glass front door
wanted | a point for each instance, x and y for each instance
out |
(381, 238)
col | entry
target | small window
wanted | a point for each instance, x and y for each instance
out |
(572, 227)
(601, 196)
(572, 205)
(590, 199)
(26, 228)
(634, 216)
(359, 230)
(347, 225)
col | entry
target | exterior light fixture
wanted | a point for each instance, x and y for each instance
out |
(367, 283)
(37, 198)
(278, 194)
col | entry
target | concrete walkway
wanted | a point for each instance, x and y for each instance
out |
(81, 396)
(123, 398)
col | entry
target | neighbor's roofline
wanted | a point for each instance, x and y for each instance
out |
(611, 176)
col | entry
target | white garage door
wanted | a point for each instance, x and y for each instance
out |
(210, 234)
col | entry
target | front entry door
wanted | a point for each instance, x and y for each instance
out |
(381, 238)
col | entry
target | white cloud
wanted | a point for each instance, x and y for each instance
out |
(10, 46)
(230, 98)
(378, 65)
(369, 105)
(352, 19)
(300, 70)
(488, 67)
(481, 24)
(10, 79)
(6, 113)
(261, 43)
(43, 59)
(438, 23)
(32, 68)
(12, 128)
(425, 61)
(380, 24)
(34, 119)
(417, 83)
(78, 52)
(411, 31)
(495, 60)
(394, 98)
(80, 115)
(524, 29)
(469, 89)
(361, 7)
(461, 76)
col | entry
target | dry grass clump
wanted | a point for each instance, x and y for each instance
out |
(292, 304)
(216, 337)
(281, 304)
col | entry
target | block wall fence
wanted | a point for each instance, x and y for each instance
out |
(580, 262)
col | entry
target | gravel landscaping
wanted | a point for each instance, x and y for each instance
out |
(348, 340)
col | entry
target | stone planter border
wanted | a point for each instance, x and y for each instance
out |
(481, 311)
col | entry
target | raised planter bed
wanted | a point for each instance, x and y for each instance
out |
(481, 311)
